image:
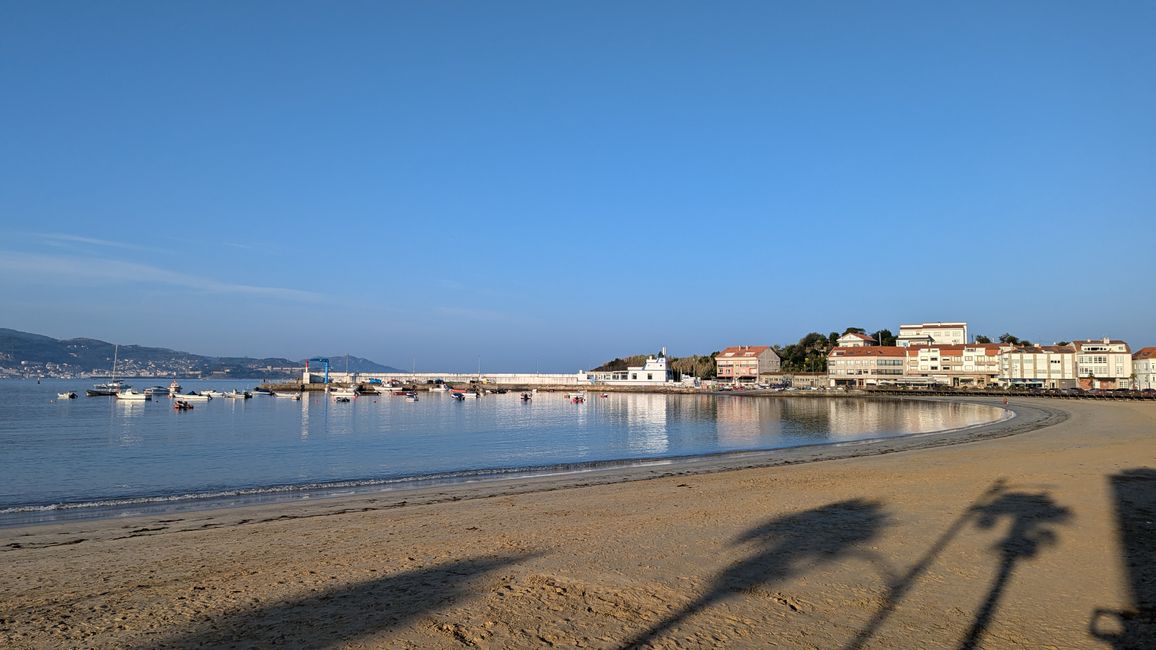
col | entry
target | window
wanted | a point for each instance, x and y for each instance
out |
(650, 375)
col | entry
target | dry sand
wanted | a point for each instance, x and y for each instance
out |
(1040, 539)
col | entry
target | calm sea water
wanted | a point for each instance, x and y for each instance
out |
(96, 456)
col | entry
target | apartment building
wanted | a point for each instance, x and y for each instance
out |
(744, 363)
(1103, 363)
(858, 367)
(931, 334)
(1144, 369)
(975, 364)
(1041, 366)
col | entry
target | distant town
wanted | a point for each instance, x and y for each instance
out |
(923, 355)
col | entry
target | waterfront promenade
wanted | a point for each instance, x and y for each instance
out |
(1037, 539)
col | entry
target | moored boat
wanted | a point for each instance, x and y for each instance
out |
(181, 405)
(133, 396)
(194, 396)
(296, 396)
(237, 394)
(68, 395)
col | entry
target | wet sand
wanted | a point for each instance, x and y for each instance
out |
(1034, 532)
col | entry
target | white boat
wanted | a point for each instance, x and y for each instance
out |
(68, 395)
(465, 394)
(237, 394)
(351, 393)
(213, 393)
(133, 396)
(113, 387)
(156, 390)
(438, 388)
(287, 395)
(174, 387)
(193, 396)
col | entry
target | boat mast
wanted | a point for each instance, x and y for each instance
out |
(115, 350)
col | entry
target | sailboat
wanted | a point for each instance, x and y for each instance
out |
(113, 387)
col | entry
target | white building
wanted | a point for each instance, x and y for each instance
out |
(1103, 363)
(655, 371)
(932, 333)
(975, 364)
(865, 366)
(855, 340)
(1042, 366)
(1144, 369)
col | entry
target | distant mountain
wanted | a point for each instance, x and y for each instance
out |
(27, 354)
(354, 364)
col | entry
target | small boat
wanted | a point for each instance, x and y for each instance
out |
(133, 396)
(526, 397)
(107, 390)
(412, 397)
(156, 390)
(296, 396)
(438, 388)
(604, 395)
(68, 395)
(237, 394)
(194, 396)
(465, 394)
(213, 393)
(174, 387)
(260, 390)
(182, 405)
(113, 387)
(458, 397)
(343, 399)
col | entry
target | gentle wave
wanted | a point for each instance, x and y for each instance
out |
(303, 489)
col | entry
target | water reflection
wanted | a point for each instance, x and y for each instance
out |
(646, 421)
(51, 451)
(304, 415)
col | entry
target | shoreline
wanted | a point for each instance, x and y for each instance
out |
(556, 476)
(340, 498)
(1032, 532)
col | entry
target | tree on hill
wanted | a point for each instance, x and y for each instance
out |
(698, 365)
(884, 337)
(808, 355)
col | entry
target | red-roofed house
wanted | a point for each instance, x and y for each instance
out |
(1144, 369)
(744, 363)
(854, 340)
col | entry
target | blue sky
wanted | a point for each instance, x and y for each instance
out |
(548, 185)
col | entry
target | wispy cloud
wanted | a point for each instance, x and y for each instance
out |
(468, 313)
(92, 270)
(62, 238)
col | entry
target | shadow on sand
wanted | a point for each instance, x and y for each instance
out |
(1135, 627)
(782, 547)
(1030, 517)
(342, 615)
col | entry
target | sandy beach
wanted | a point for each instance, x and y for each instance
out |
(1037, 532)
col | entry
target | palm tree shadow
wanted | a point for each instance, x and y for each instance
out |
(344, 614)
(1031, 517)
(782, 547)
(1135, 627)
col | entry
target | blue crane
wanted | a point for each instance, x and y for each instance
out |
(325, 362)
